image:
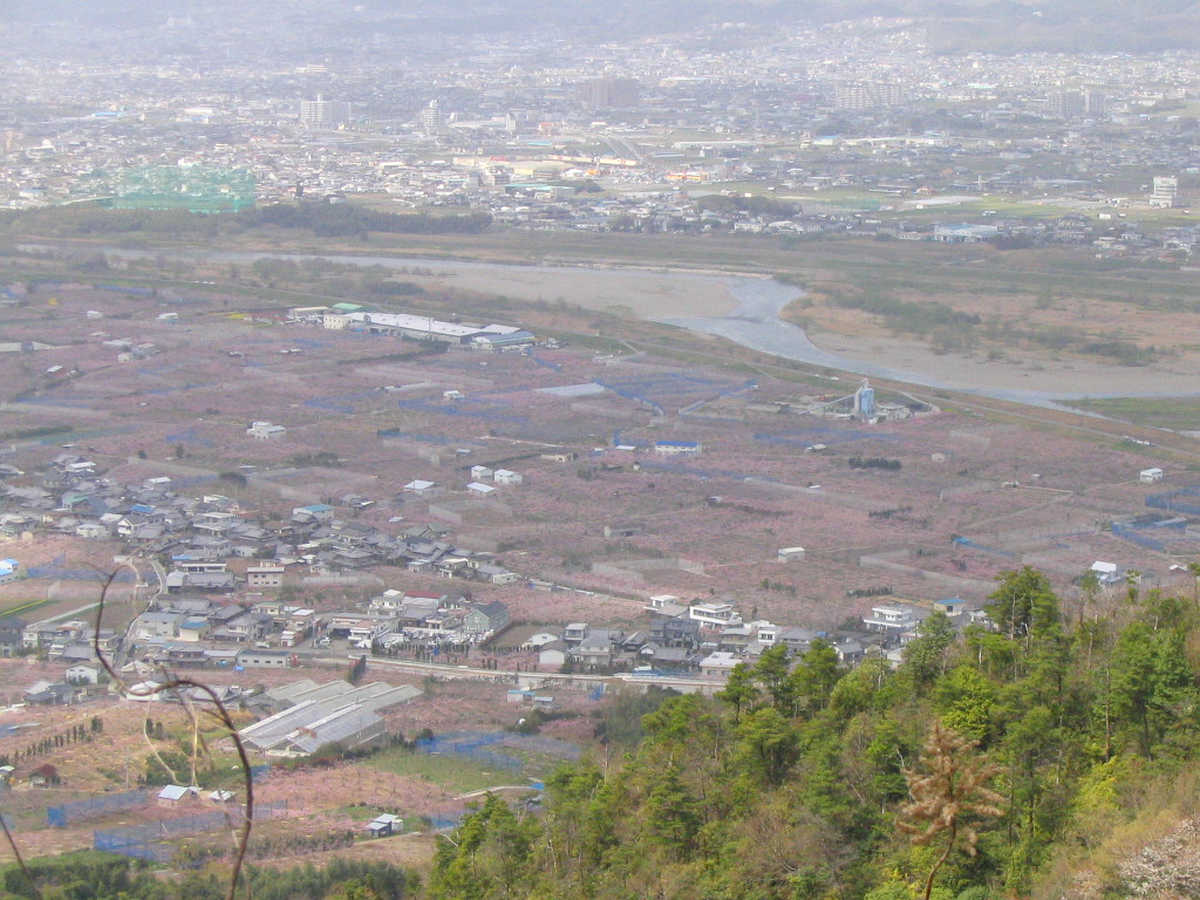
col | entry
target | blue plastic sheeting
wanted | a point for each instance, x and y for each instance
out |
(68, 813)
(1175, 501)
(465, 408)
(804, 437)
(145, 841)
(1133, 536)
(967, 542)
(412, 436)
(56, 568)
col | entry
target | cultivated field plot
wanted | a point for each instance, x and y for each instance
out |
(430, 787)
(602, 507)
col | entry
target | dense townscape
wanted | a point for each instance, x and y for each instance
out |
(850, 126)
(665, 450)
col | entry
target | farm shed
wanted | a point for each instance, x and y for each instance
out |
(324, 714)
(384, 825)
(174, 794)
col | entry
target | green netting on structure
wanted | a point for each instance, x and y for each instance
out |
(195, 188)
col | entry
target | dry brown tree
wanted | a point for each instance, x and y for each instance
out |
(949, 796)
(219, 714)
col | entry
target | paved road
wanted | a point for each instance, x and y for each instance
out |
(624, 679)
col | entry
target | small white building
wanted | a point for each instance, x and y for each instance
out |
(1105, 572)
(82, 674)
(265, 431)
(504, 476)
(678, 448)
(719, 664)
(480, 489)
(264, 576)
(335, 321)
(420, 486)
(890, 618)
(714, 614)
(480, 473)
(1151, 475)
(666, 605)
(175, 794)
(790, 554)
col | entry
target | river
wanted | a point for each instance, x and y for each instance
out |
(754, 321)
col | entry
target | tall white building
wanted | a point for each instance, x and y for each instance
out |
(857, 95)
(1166, 191)
(322, 113)
(431, 119)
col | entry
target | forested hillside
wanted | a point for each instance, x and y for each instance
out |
(1037, 759)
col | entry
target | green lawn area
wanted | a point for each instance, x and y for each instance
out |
(24, 607)
(1177, 413)
(455, 773)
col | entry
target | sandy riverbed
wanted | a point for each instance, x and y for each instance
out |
(647, 294)
(1064, 378)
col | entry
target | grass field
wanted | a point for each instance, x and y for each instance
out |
(26, 607)
(453, 773)
(1176, 413)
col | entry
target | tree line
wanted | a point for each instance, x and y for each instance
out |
(318, 216)
(92, 875)
(988, 764)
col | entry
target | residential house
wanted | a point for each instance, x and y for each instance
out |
(314, 512)
(849, 652)
(552, 656)
(678, 632)
(719, 664)
(156, 625)
(954, 607)
(390, 601)
(11, 629)
(92, 531)
(667, 659)
(263, 659)
(481, 621)
(193, 630)
(82, 674)
(506, 476)
(575, 632)
(796, 639)
(891, 618)
(203, 582)
(45, 693)
(714, 615)
(595, 651)
(495, 574)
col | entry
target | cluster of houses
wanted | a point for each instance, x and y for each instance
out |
(201, 533)
(708, 639)
(200, 631)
